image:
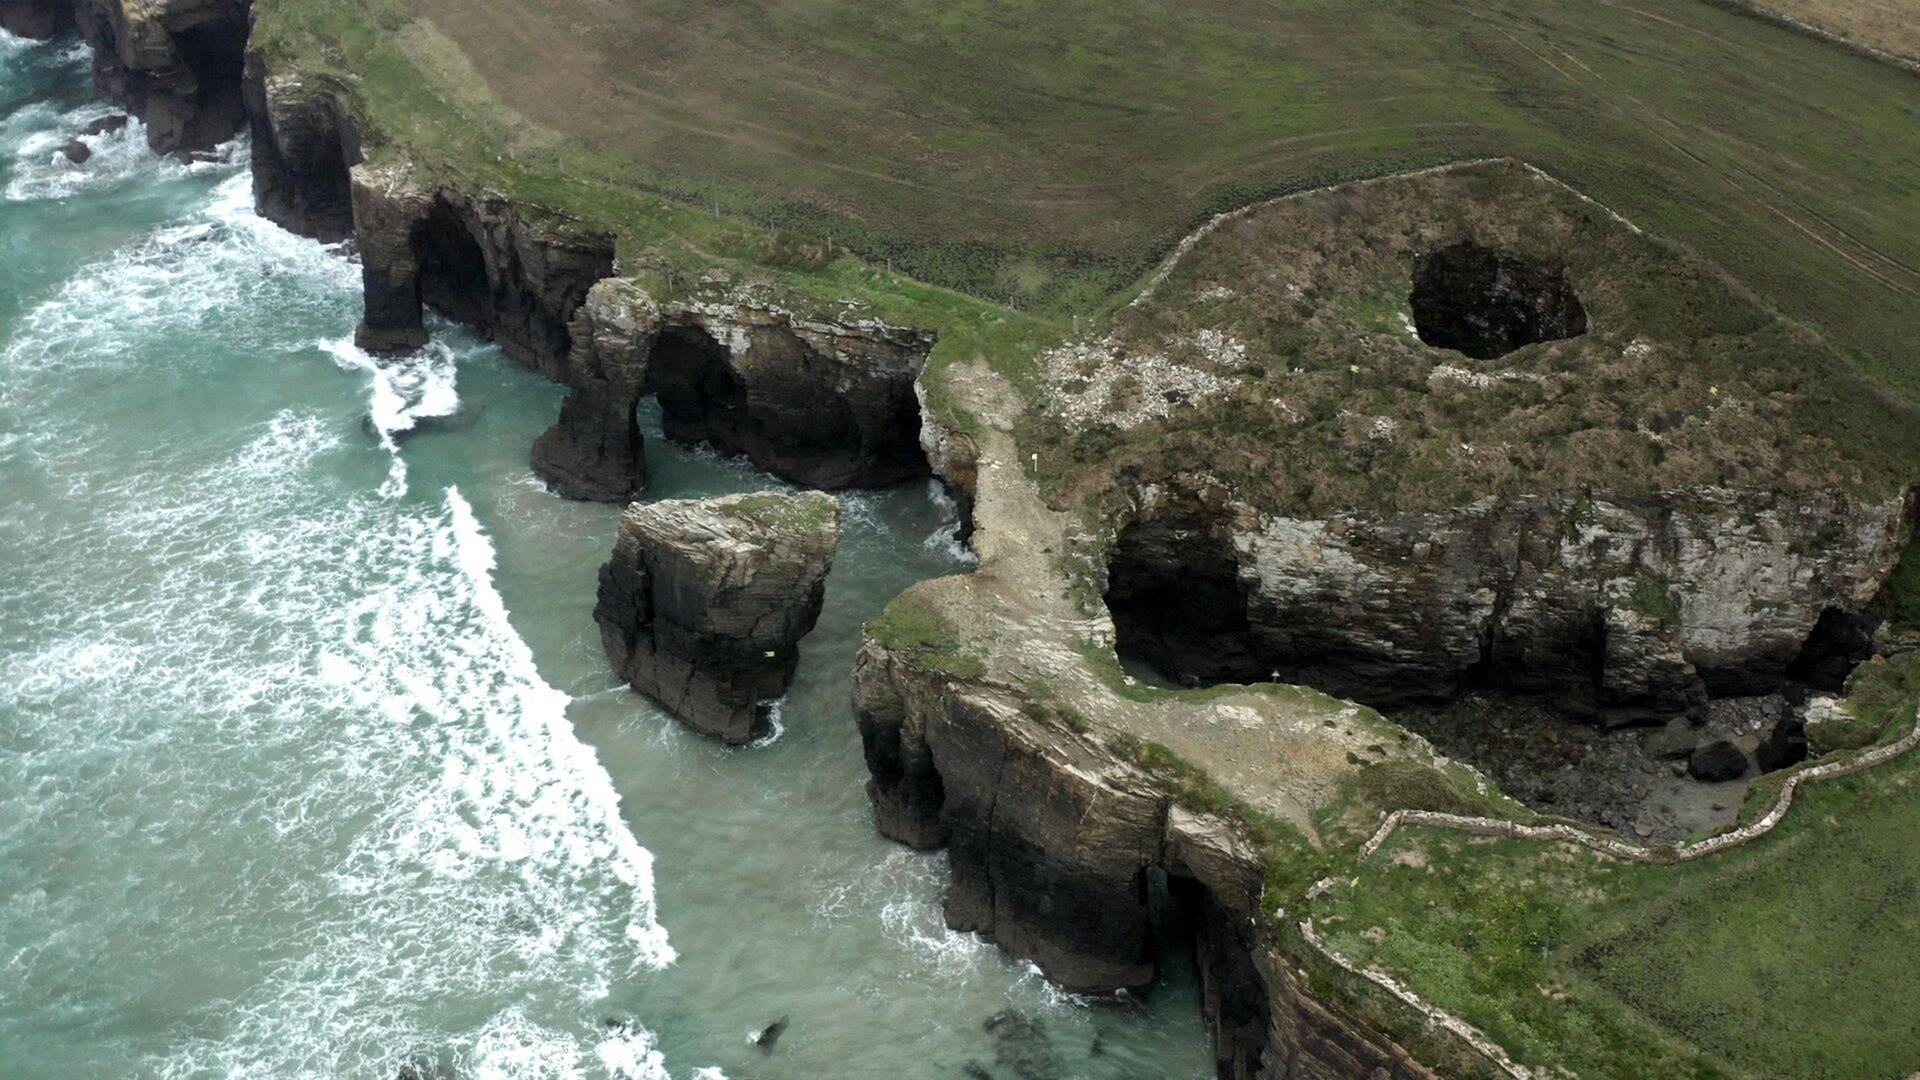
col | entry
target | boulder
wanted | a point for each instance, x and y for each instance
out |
(108, 125)
(76, 151)
(1784, 744)
(704, 602)
(1673, 742)
(1021, 1046)
(1717, 760)
(1829, 725)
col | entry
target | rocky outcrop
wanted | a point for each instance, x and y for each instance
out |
(1626, 609)
(304, 146)
(37, 19)
(176, 64)
(1054, 844)
(704, 602)
(824, 403)
(475, 259)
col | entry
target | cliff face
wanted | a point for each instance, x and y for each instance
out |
(304, 144)
(704, 602)
(37, 19)
(1056, 850)
(823, 403)
(475, 259)
(826, 403)
(1623, 608)
(177, 64)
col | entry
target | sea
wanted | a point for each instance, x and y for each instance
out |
(311, 764)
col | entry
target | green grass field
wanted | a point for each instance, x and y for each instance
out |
(1043, 154)
(1790, 956)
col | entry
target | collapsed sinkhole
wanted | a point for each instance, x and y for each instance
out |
(1486, 302)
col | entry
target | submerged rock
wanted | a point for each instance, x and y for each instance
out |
(704, 602)
(108, 125)
(767, 1036)
(1021, 1046)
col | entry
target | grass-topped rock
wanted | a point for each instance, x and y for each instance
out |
(704, 603)
(1467, 427)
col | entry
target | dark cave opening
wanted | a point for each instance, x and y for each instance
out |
(1486, 303)
(1187, 922)
(216, 53)
(1178, 605)
(701, 399)
(1838, 643)
(453, 269)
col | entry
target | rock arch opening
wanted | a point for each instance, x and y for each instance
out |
(701, 399)
(216, 54)
(1177, 601)
(1486, 302)
(453, 268)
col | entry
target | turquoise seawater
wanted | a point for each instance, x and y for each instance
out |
(310, 762)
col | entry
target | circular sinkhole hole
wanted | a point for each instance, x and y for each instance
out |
(1486, 303)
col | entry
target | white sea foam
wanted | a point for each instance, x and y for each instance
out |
(219, 271)
(119, 158)
(307, 694)
(945, 540)
(628, 1053)
(404, 390)
(776, 725)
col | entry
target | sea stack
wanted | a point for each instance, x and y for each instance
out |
(704, 603)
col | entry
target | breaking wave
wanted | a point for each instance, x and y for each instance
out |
(379, 839)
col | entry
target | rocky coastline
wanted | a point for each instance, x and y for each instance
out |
(1061, 843)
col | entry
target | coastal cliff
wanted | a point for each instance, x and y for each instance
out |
(822, 402)
(176, 64)
(305, 145)
(1627, 608)
(1055, 844)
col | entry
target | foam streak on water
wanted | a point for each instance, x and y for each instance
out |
(279, 704)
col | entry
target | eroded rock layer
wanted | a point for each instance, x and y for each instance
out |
(176, 64)
(304, 145)
(704, 603)
(1052, 842)
(1628, 608)
(475, 259)
(823, 403)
